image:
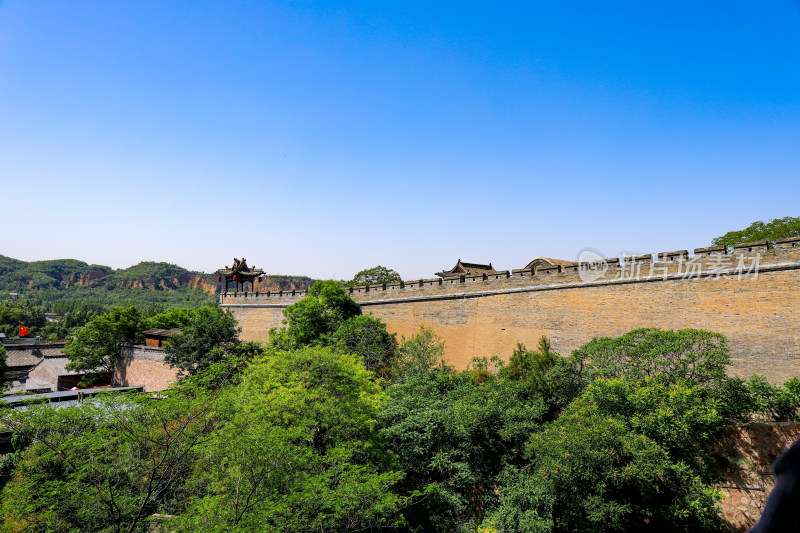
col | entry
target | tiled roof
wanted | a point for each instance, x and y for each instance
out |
(468, 268)
(58, 366)
(29, 356)
(478, 266)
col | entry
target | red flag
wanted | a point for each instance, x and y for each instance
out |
(23, 331)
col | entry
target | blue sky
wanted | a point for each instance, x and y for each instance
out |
(322, 138)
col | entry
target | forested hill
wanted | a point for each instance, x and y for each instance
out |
(146, 282)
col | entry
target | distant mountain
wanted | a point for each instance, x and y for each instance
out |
(16, 275)
(69, 278)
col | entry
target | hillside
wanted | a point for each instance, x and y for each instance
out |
(144, 283)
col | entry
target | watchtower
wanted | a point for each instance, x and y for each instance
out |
(239, 273)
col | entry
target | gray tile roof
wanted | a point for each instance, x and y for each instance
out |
(58, 366)
(29, 356)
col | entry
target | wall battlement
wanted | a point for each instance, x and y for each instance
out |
(711, 261)
(749, 294)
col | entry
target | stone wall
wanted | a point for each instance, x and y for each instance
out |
(753, 448)
(143, 366)
(750, 296)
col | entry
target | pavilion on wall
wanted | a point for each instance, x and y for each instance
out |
(466, 269)
(240, 274)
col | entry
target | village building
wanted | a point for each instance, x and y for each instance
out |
(157, 337)
(51, 375)
(23, 355)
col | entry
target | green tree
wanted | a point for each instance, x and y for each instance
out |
(366, 336)
(682, 418)
(96, 345)
(777, 228)
(697, 356)
(205, 332)
(177, 317)
(758, 396)
(21, 313)
(419, 354)
(589, 471)
(544, 371)
(374, 275)
(105, 465)
(453, 433)
(314, 318)
(296, 449)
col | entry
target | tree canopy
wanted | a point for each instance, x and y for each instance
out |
(303, 434)
(104, 465)
(777, 228)
(589, 471)
(16, 314)
(375, 275)
(315, 317)
(698, 356)
(205, 332)
(96, 345)
(367, 337)
(296, 449)
(419, 354)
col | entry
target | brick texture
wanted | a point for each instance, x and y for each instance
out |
(752, 449)
(143, 366)
(488, 315)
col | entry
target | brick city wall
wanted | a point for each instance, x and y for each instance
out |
(749, 295)
(144, 366)
(752, 449)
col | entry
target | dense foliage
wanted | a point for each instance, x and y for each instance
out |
(334, 426)
(589, 471)
(668, 356)
(96, 346)
(104, 465)
(454, 432)
(329, 317)
(16, 314)
(296, 449)
(314, 318)
(420, 354)
(205, 333)
(777, 228)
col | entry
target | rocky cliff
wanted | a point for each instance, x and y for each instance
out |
(71, 274)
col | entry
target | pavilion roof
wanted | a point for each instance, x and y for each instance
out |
(464, 268)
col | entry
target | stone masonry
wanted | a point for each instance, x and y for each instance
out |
(749, 295)
(752, 449)
(144, 366)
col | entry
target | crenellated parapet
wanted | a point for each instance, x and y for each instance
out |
(748, 292)
(745, 260)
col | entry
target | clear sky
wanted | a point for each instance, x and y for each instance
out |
(321, 138)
